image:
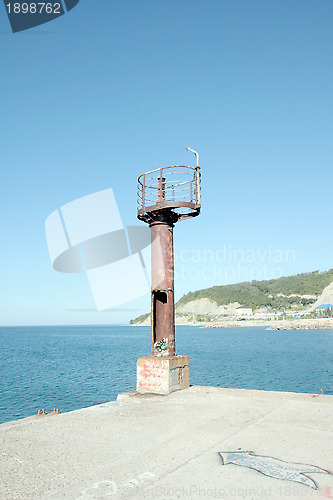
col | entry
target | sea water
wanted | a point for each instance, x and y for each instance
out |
(71, 367)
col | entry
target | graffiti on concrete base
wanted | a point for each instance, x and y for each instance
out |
(161, 348)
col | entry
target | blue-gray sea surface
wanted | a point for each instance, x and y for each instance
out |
(70, 367)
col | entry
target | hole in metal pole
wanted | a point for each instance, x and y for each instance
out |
(160, 315)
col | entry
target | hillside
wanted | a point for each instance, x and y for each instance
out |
(299, 292)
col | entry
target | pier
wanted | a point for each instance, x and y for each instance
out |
(201, 442)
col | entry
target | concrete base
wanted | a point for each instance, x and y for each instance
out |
(162, 375)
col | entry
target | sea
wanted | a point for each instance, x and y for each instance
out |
(72, 367)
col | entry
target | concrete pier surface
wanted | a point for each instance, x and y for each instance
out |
(199, 443)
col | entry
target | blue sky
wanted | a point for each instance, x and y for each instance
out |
(115, 88)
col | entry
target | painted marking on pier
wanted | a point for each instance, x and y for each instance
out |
(103, 489)
(273, 467)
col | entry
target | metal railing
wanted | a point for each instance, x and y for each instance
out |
(176, 187)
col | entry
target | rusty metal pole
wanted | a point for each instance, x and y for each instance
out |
(162, 279)
(162, 287)
(165, 196)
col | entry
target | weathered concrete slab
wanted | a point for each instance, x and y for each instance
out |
(162, 375)
(168, 447)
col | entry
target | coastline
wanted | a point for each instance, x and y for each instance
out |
(296, 324)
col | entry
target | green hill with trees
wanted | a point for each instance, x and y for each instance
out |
(276, 293)
(290, 292)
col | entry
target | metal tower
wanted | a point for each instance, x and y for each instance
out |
(165, 196)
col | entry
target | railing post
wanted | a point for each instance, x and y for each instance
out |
(197, 173)
(143, 191)
(161, 187)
